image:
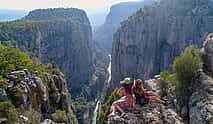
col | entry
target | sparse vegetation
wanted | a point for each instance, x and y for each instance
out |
(105, 110)
(9, 112)
(12, 59)
(59, 116)
(33, 117)
(3, 82)
(166, 83)
(186, 68)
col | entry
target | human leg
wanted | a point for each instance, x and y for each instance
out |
(119, 109)
(156, 100)
(150, 93)
(113, 107)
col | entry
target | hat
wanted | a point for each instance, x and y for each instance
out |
(126, 80)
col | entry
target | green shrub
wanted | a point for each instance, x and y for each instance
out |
(12, 59)
(186, 68)
(8, 111)
(106, 107)
(15, 94)
(59, 116)
(166, 83)
(33, 117)
(3, 83)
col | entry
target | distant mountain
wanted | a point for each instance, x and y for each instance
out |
(118, 13)
(97, 18)
(9, 15)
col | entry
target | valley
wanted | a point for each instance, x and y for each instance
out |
(57, 66)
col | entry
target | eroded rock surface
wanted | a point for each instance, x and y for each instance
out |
(148, 42)
(28, 91)
(201, 101)
(148, 114)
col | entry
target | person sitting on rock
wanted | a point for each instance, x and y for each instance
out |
(143, 97)
(124, 102)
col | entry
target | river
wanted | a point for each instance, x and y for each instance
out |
(95, 113)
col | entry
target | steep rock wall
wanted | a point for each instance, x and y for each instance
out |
(149, 40)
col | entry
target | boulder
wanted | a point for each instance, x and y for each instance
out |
(49, 121)
(207, 54)
(201, 102)
(3, 95)
(151, 85)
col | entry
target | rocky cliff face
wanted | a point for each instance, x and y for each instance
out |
(31, 92)
(149, 40)
(118, 13)
(201, 101)
(62, 36)
(45, 97)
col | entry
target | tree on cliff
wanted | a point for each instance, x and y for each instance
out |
(187, 69)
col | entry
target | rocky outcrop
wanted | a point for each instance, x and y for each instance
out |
(148, 114)
(3, 95)
(201, 101)
(207, 54)
(118, 13)
(29, 92)
(149, 40)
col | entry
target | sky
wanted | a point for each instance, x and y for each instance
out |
(95, 9)
(87, 5)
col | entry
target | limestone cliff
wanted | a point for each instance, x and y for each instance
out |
(31, 92)
(149, 40)
(62, 36)
(118, 13)
(201, 101)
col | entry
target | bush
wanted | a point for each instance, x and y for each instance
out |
(166, 83)
(8, 111)
(186, 68)
(12, 59)
(3, 83)
(106, 107)
(59, 116)
(33, 117)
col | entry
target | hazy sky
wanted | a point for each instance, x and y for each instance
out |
(88, 5)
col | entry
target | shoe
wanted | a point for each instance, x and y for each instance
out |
(164, 99)
(166, 103)
(111, 115)
(122, 115)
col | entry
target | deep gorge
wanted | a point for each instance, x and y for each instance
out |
(137, 40)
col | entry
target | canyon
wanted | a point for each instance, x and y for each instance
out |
(137, 40)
